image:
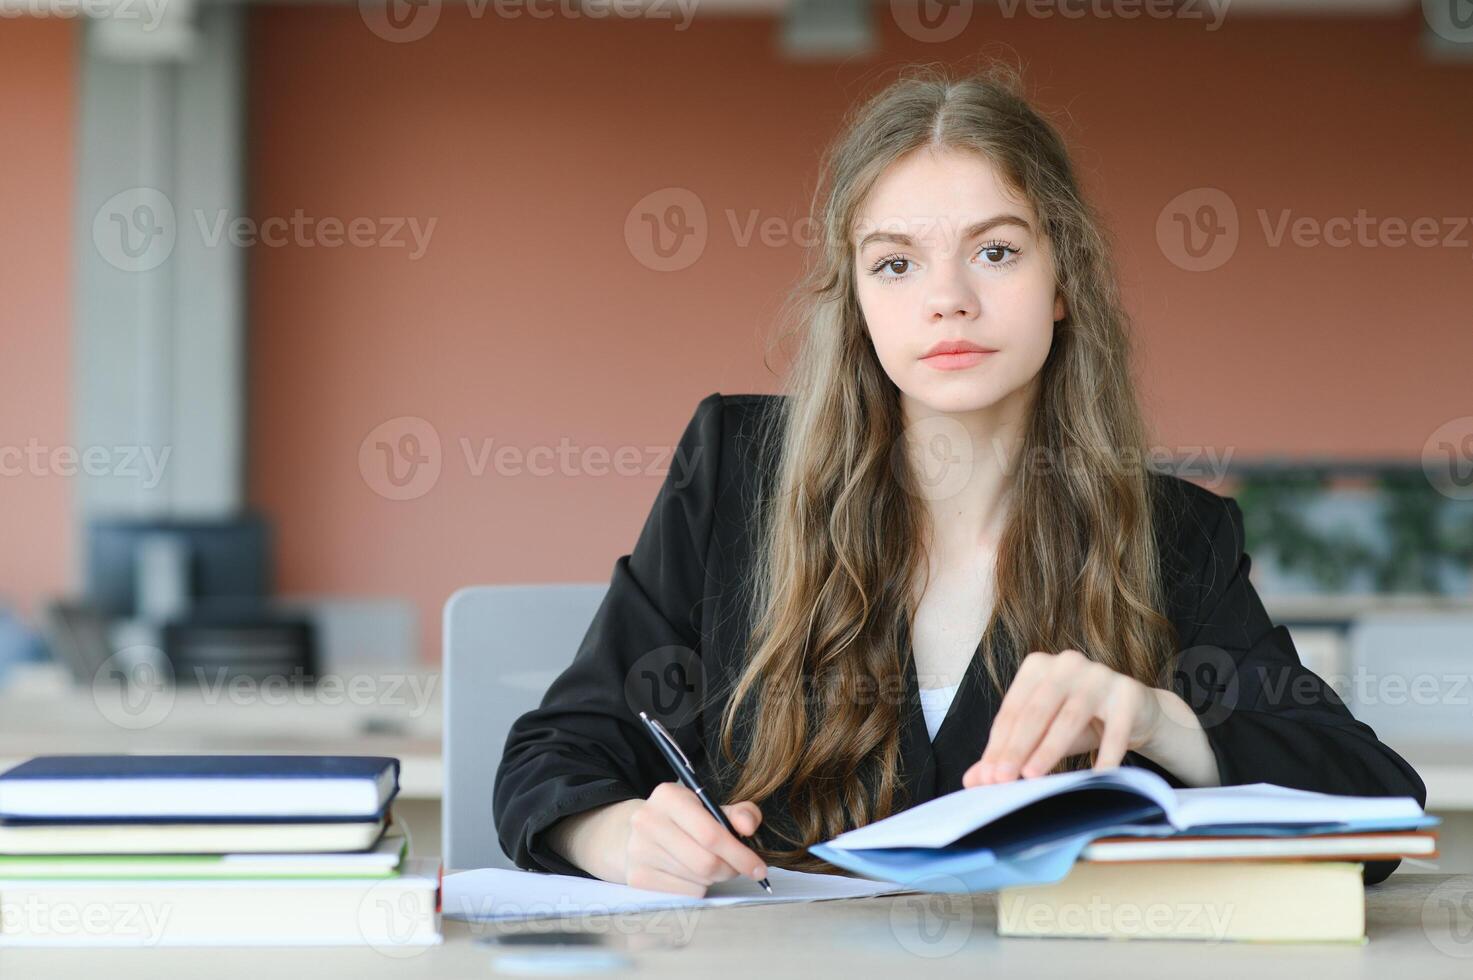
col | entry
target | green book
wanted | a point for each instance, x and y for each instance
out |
(382, 861)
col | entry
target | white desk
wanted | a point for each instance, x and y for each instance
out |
(375, 711)
(43, 712)
(1409, 920)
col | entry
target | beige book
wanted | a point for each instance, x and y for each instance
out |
(188, 838)
(1213, 901)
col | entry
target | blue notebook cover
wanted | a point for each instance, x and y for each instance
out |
(198, 788)
(986, 838)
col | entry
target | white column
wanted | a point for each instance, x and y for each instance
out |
(159, 311)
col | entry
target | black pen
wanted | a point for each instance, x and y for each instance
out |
(671, 751)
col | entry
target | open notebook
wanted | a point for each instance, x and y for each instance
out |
(1032, 830)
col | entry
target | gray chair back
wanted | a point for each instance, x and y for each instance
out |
(504, 644)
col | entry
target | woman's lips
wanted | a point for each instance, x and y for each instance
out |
(957, 362)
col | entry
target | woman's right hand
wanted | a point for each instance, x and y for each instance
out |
(675, 845)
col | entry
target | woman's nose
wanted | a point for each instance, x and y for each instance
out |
(952, 293)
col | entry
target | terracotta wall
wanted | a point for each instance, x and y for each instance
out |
(37, 123)
(528, 319)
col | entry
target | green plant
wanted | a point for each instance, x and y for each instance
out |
(1425, 530)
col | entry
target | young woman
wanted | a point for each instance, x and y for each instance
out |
(921, 570)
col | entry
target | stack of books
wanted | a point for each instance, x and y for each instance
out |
(1119, 854)
(207, 850)
(1300, 888)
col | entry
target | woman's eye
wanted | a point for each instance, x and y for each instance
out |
(998, 253)
(892, 268)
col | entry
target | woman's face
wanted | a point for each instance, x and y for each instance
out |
(945, 253)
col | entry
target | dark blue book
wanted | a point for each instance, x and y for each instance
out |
(161, 788)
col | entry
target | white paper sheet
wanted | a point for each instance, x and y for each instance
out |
(1270, 803)
(496, 893)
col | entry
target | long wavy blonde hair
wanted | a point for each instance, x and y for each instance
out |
(841, 528)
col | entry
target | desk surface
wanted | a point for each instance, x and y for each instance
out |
(399, 713)
(1419, 926)
(377, 711)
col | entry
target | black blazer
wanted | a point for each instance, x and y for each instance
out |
(668, 638)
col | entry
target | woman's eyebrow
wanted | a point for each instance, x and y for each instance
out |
(972, 231)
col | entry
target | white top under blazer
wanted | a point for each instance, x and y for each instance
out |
(935, 702)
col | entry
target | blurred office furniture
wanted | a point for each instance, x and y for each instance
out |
(1411, 675)
(219, 647)
(504, 644)
(353, 630)
(1410, 678)
(77, 636)
(187, 600)
(18, 643)
(158, 569)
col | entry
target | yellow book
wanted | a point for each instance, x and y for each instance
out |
(1214, 901)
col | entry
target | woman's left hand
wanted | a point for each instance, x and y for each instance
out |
(1065, 704)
